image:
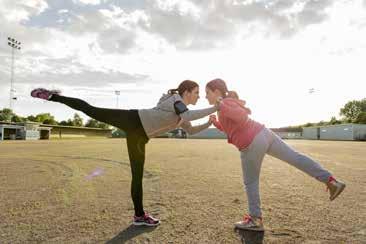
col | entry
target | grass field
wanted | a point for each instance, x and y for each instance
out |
(193, 186)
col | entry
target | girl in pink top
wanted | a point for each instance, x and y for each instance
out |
(254, 141)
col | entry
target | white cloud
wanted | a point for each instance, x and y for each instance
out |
(16, 11)
(63, 11)
(91, 2)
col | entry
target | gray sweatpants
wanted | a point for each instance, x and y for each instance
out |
(267, 142)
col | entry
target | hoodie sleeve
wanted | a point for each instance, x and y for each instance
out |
(232, 111)
(218, 125)
(188, 115)
(187, 126)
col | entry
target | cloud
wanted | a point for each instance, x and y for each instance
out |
(21, 10)
(91, 2)
(184, 24)
(314, 12)
(201, 25)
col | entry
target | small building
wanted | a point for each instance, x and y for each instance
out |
(210, 133)
(11, 132)
(344, 132)
(284, 133)
(37, 131)
(311, 133)
(289, 133)
(23, 131)
(60, 131)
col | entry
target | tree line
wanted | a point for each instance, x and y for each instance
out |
(46, 118)
(353, 112)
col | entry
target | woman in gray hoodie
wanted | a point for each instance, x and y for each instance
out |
(170, 113)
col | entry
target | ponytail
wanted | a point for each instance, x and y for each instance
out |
(186, 85)
(232, 94)
(173, 91)
(220, 85)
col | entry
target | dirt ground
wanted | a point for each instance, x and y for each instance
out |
(193, 186)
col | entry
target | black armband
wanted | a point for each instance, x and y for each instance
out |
(180, 107)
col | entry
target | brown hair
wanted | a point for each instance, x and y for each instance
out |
(186, 85)
(219, 84)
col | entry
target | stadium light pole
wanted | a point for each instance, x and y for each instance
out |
(117, 96)
(15, 45)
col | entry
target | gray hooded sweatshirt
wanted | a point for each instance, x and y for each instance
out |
(163, 118)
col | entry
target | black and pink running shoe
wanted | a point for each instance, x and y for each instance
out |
(146, 219)
(44, 93)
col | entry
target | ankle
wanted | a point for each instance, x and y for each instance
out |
(331, 179)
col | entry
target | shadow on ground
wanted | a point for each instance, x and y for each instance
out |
(250, 237)
(129, 233)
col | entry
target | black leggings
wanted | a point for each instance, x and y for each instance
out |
(128, 121)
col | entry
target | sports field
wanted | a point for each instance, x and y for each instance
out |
(193, 186)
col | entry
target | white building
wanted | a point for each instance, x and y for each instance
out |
(23, 131)
(11, 132)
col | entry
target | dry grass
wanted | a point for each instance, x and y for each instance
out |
(194, 186)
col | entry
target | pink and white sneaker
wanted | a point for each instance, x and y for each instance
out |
(250, 223)
(145, 219)
(44, 93)
(334, 187)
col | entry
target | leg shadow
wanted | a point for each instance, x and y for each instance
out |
(250, 237)
(129, 233)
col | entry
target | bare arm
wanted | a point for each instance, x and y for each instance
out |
(187, 126)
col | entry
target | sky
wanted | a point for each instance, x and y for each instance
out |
(292, 61)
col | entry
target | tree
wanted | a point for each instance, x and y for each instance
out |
(352, 109)
(6, 114)
(91, 123)
(45, 118)
(118, 133)
(361, 118)
(321, 123)
(17, 119)
(96, 124)
(31, 118)
(334, 121)
(66, 123)
(77, 121)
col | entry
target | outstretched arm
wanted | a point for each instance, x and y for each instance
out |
(187, 126)
(189, 115)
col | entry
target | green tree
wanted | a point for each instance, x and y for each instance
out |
(31, 118)
(6, 114)
(361, 118)
(69, 122)
(321, 123)
(17, 119)
(96, 124)
(334, 121)
(92, 123)
(308, 125)
(77, 121)
(352, 109)
(45, 118)
(118, 133)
